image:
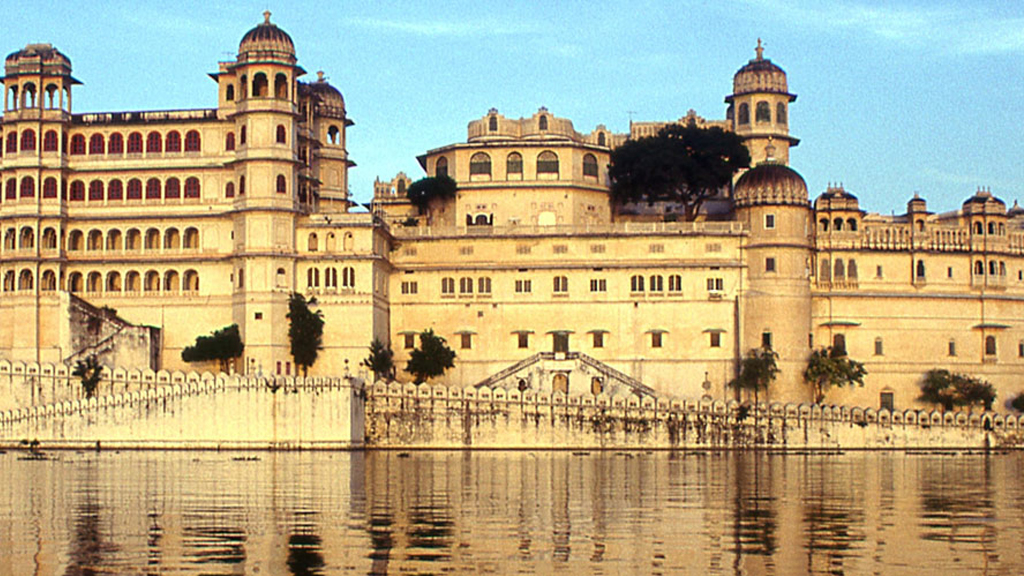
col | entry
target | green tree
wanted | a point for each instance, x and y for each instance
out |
(684, 164)
(431, 359)
(949, 389)
(828, 367)
(89, 372)
(757, 371)
(975, 392)
(305, 331)
(381, 360)
(222, 345)
(422, 191)
(1018, 402)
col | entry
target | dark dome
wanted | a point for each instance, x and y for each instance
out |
(770, 183)
(760, 65)
(328, 94)
(760, 75)
(983, 197)
(1015, 211)
(44, 52)
(267, 37)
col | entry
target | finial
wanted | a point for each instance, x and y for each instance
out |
(319, 75)
(769, 151)
(266, 18)
(759, 50)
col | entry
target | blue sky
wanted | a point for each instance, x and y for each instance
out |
(894, 97)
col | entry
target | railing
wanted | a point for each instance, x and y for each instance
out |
(637, 386)
(524, 363)
(619, 228)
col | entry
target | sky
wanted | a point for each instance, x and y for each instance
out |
(894, 97)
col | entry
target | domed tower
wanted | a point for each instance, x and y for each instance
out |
(759, 108)
(775, 307)
(323, 152)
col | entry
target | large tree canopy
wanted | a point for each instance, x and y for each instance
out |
(684, 164)
(949, 389)
(222, 346)
(381, 360)
(829, 367)
(432, 358)
(422, 191)
(305, 330)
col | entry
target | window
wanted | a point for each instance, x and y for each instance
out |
(95, 144)
(50, 141)
(542, 122)
(598, 285)
(77, 144)
(715, 339)
(949, 272)
(780, 113)
(878, 347)
(514, 164)
(447, 285)
(598, 339)
(656, 339)
(769, 221)
(50, 187)
(991, 265)
(547, 163)
(282, 184)
(172, 189)
(657, 283)
(193, 143)
(115, 143)
(241, 185)
(675, 283)
(763, 112)
(840, 270)
(590, 165)
(134, 189)
(241, 135)
(979, 268)
(952, 348)
(839, 343)
(920, 269)
(600, 139)
(769, 264)
(1020, 349)
(192, 187)
(152, 189)
(313, 278)
(597, 248)
(636, 283)
(878, 271)
(410, 287)
(743, 117)
(173, 141)
(348, 277)
(524, 339)
(990, 345)
(28, 187)
(154, 142)
(561, 284)
(524, 286)
(77, 191)
(656, 248)
(114, 190)
(465, 285)
(11, 192)
(281, 134)
(480, 164)
(467, 341)
(229, 190)
(409, 341)
(134, 143)
(441, 167)
(95, 190)
(483, 285)
(492, 123)
(766, 340)
(523, 249)
(715, 284)
(229, 141)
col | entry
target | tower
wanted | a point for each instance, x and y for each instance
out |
(759, 108)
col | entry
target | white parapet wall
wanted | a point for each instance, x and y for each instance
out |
(197, 411)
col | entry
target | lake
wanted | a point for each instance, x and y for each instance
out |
(501, 512)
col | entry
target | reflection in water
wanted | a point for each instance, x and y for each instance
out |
(328, 513)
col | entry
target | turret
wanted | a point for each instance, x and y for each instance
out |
(759, 108)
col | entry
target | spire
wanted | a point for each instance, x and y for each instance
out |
(759, 50)
(266, 20)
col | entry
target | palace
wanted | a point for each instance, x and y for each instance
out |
(129, 234)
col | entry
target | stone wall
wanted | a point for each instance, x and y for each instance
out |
(407, 416)
(197, 411)
(112, 339)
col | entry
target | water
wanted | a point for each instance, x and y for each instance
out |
(511, 512)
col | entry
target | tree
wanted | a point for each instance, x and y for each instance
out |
(1018, 402)
(685, 164)
(90, 372)
(829, 367)
(949, 389)
(305, 331)
(422, 191)
(757, 371)
(432, 358)
(381, 360)
(222, 345)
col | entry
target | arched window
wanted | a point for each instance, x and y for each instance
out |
(313, 243)
(851, 269)
(75, 241)
(560, 284)
(480, 164)
(763, 112)
(492, 123)
(77, 191)
(11, 191)
(282, 184)
(152, 281)
(229, 141)
(514, 164)
(780, 113)
(113, 282)
(241, 135)
(191, 239)
(259, 85)
(852, 224)
(134, 189)
(77, 145)
(636, 283)
(50, 187)
(171, 281)
(192, 187)
(824, 224)
(152, 189)
(173, 141)
(332, 134)
(837, 224)
(331, 277)
(48, 282)
(96, 144)
(979, 268)
(135, 143)
(28, 187)
(991, 228)
(172, 240)
(152, 239)
(75, 282)
(95, 240)
(990, 345)
(9, 281)
(172, 188)
(115, 143)
(348, 278)
(27, 238)
(154, 142)
(1002, 268)
(675, 283)
(229, 93)
(600, 139)
(281, 86)
(131, 281)
(243, 87)
(50, 141)
(992, 268)
(465, 285)
(312, 278)
(590, 165)
(49, 239)
(132, 239)
(10, 238)
(978, 228)
(191, 281)
(839, 343)
(25, 280)
(542, 122)
(282, 136)
(657, 283)
(241, 185)
(840, 270)
(95, 190)
(825, 274)
(483, 285)
(193, 142)
(12, 142)
(115, 190)
(94, 282)
(28, 140)
(743, 117)
(441, 167)
(920, 269)
(547, 163)
(114, 240)
(229, 190)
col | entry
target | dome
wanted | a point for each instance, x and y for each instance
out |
(759, 75)
(328, 95)
(770, 183)
(1016, 211)
(44, 53)
(267, 37)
